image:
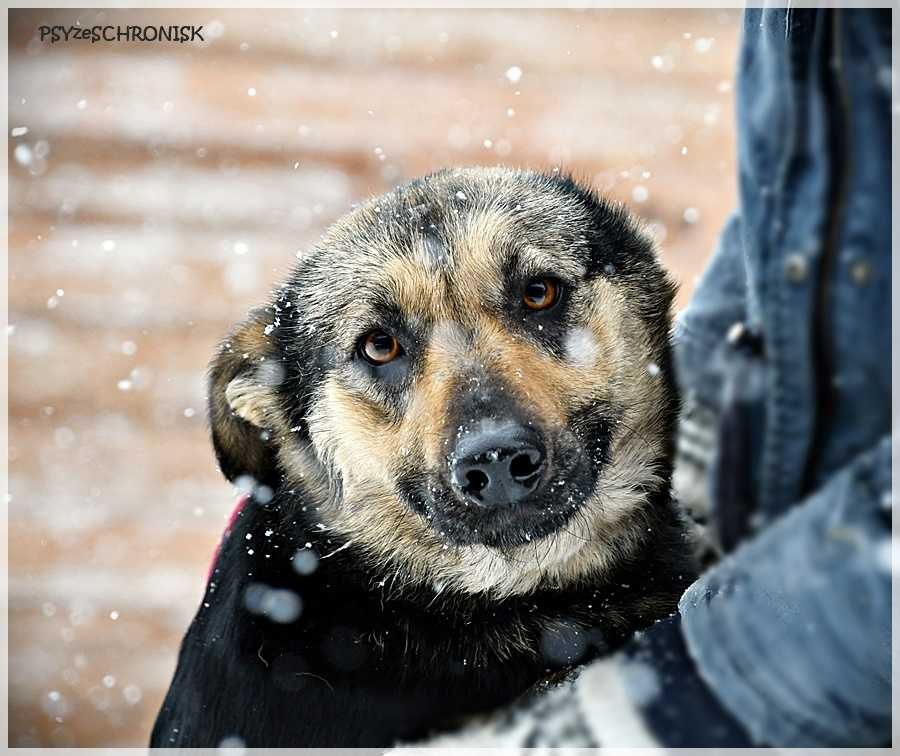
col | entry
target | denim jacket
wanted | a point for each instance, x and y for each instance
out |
(784, 358)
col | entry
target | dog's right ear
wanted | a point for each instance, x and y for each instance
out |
(243, 404)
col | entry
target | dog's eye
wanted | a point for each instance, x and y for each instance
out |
(541, 293)
(379, 347)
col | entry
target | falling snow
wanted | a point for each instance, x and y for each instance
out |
(514, 73)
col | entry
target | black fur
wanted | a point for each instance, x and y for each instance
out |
(366, 665)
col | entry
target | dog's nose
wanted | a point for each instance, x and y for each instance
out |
(498, 464)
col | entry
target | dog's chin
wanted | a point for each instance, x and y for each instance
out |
(463, 523)
(507, 529)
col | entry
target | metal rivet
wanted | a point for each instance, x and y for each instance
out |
(735, 333)
(795, 267)
(861, 272)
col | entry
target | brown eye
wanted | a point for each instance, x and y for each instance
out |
(541, 293)
(379, 347)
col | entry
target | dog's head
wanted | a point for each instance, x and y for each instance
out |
(468, 377)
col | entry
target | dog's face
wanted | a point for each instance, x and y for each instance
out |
(468, 378)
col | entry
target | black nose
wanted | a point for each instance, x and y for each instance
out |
(498, 464)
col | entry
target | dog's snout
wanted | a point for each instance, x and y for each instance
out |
(498, 464)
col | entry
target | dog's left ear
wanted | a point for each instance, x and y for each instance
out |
(243, 404)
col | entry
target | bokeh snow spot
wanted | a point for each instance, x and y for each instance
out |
(305, 562)
(278, 604)
(581, 347)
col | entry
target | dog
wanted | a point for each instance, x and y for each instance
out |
(455, 421)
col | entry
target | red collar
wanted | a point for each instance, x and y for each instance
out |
(235, 513)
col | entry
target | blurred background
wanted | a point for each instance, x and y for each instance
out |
(157, 191)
